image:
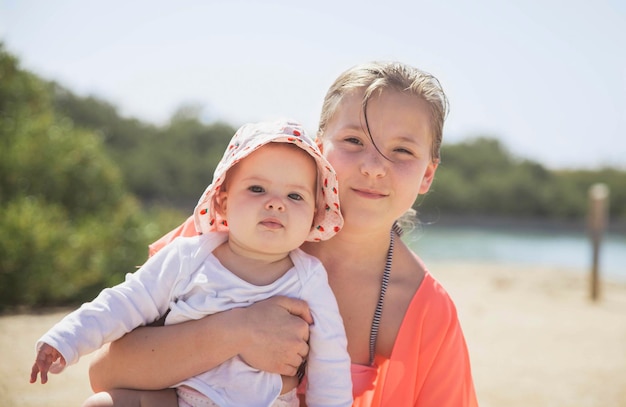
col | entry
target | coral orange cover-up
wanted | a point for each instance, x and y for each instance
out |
(429, 365)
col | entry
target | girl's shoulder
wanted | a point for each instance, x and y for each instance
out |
(408, 269)
(429, 295)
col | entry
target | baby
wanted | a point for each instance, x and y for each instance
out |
(271, 191)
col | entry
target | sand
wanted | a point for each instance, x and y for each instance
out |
(534, 335)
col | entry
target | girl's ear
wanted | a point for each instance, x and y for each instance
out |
(429, 176)
(319, 144)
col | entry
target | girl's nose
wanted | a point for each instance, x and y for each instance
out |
(374, 164)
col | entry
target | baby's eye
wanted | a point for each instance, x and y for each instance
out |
(295, 197)
(256, 189)
(353, 140)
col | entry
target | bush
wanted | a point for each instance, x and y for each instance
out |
(46, 258)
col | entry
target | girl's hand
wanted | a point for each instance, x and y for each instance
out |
(46, 356)
(277, 331)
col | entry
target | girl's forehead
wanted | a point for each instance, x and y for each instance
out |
(358, 103)
(388, 105)
(349, 107)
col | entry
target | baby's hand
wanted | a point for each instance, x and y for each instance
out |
(46, 356)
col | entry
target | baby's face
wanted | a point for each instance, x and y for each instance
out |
(269, 198)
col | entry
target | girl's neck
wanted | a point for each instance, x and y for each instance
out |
(351, 250)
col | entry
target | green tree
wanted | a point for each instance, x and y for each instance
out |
(480, 177)
(68, 225)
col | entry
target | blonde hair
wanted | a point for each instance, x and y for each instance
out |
(373, 78)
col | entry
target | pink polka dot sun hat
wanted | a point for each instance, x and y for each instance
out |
(327, 221)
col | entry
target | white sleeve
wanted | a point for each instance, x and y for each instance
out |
(328, 367)
(141, 299)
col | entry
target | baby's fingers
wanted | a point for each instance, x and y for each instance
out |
(44, 376)
(35, 370)
(33, 373)
(42, 365)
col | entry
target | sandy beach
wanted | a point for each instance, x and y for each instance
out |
(534, 335)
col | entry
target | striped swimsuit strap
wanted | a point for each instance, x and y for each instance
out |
(383, 290)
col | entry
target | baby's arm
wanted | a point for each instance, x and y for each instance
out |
(140, 299)
(270, 335)
(46, 356)
(329, 381)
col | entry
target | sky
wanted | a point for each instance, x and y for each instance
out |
(547, 78)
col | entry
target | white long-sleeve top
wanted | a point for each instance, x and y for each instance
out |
(186, 278)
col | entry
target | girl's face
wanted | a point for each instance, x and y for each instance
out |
(374, 189)
(269, 199)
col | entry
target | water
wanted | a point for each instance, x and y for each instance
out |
(570, 251)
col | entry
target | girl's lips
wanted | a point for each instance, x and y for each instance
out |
(369, 193)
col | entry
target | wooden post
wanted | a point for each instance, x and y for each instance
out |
(598, 219)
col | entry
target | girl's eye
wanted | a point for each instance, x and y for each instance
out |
(256, 189)
(295, 197)
(403, 151)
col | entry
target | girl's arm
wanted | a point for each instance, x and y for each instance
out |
(270, 335)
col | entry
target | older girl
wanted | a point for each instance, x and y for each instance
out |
(381, 129)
